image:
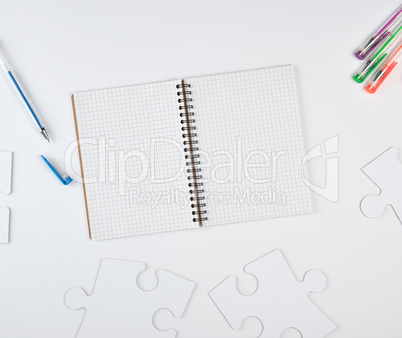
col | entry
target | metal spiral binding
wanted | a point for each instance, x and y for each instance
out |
(192, 157)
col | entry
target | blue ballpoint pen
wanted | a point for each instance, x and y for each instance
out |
(27, 104)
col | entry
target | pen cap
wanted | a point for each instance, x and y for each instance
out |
(379, 79)
(372, 63)
(368, 47)
(60, 169)
(368, 67)
(386, 68)
(380, 36)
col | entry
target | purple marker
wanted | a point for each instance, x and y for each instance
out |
(385, 31)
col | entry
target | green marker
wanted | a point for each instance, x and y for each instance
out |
(372, 63)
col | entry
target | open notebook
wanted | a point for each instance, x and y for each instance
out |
(196, 152)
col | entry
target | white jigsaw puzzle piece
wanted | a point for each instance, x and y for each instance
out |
(164, 320)
(280, 301)
(6, 159)
(4, 224)
(118, 307)
(386, 172)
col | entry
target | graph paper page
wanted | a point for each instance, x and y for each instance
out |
(133, 160)
(251, 145)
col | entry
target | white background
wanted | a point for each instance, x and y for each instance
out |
(58, 47)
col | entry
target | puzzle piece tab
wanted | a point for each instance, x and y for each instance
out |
(118, 307)
(386, 172)
(280, 301)
(163, 320)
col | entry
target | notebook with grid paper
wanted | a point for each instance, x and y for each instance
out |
(187, 153)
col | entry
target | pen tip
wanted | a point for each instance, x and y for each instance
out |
(45, 135)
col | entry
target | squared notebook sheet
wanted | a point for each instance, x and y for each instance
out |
(138, 174)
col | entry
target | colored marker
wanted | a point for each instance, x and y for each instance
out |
(378, 37)
(379, 78)
(371, 64)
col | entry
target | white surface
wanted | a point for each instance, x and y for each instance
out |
(118, 307)
(61, 47)
(279, 302)
(6, 163)
(385, 172)
(4, 224)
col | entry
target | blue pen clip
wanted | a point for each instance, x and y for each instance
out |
(58, 171)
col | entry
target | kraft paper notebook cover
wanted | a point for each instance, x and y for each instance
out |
(182, 154)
